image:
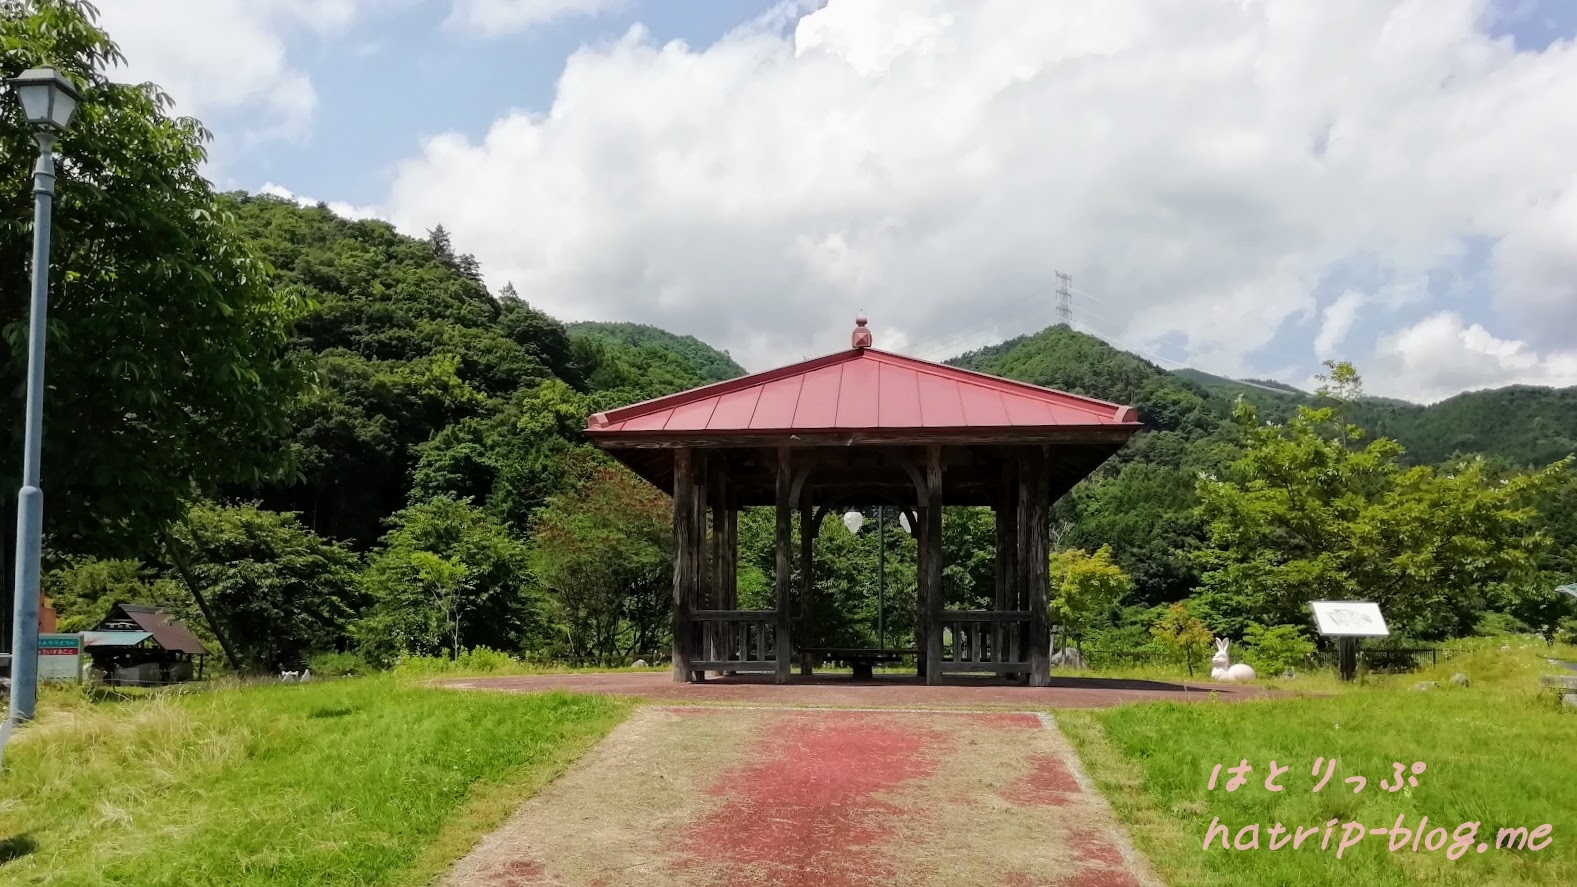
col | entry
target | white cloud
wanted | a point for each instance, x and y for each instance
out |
(1443, 355)
(493, 17)
(216, 56)
(1336, 322)
(1199, 166)
(338, 207)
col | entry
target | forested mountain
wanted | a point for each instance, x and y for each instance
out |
(1522, 424)
(639, 351)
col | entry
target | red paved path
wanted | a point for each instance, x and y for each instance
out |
(886, 691)
(717, 796)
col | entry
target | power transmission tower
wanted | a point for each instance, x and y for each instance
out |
(1065, 298)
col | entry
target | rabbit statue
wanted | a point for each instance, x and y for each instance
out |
(1222, 669)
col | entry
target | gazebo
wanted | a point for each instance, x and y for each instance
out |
(857, 428)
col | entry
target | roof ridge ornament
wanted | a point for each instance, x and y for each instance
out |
(862, 336)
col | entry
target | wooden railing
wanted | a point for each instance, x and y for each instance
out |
(985, 641)
(736, 640)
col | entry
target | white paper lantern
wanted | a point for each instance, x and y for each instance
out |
(854, 520)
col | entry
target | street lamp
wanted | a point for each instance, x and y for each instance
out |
(48, 101)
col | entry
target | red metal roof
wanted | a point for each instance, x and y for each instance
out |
(862, 389)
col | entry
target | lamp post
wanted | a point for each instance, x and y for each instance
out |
(48, 101)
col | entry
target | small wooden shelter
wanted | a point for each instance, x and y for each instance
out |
(142, 645)
(863, 427)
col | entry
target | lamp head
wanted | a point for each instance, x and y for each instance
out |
(49, 98)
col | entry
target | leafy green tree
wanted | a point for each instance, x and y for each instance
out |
(1540, 608)
(1306, 517)
(415, 599)
(84, 589)
(1085, 588)
(1145, 513)
(168, 372)
(1182, 634)
(968, 558)
(603, 556)
(276, 591)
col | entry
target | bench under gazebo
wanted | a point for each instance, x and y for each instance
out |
(857, 428)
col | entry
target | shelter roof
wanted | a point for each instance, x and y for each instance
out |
(166, 632)
(862, 390)
(862, 419)
(114, 638)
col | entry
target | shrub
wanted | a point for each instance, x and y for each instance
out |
(339, 665)
(1276, 649)
(477, 659)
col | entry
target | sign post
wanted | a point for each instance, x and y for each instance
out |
(1347, 621)
(60, 657)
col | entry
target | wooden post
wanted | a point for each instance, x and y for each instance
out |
(785, 550)
(1005, 641)
(1036, 569)
(684, 554)
(713, 643)
(730, 570)
(731, 553)
(699, 466)
(1347, 658)
(931, 563)
(807, 570)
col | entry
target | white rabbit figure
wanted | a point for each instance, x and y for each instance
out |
(1222, 669)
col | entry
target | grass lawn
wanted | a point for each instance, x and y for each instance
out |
(359, 781)
(1497, 754)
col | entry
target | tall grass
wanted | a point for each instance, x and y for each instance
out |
(337, 782)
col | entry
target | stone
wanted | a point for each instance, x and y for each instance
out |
(1459, 680)
(641, 663)
(1569, 699)
(1425, 685)
(1504, 647)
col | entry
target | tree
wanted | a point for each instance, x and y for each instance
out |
(1182, 634)
(603, 556)
(448, 578)
(276, 591)
(1145, 512)
(1085, 588)
(84, 589)
(168, 372)
(1305, 517)
(1540, 608)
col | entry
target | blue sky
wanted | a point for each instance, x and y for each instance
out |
(1393, 183)
(405, 76)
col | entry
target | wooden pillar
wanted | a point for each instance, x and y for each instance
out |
(731, 551)
(785, 551)
(684, 567)
(1036, 554)
(931, 563)
(700, 465)
(730, 569)
(807, 581)
(714, 641)
(1006, 638)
